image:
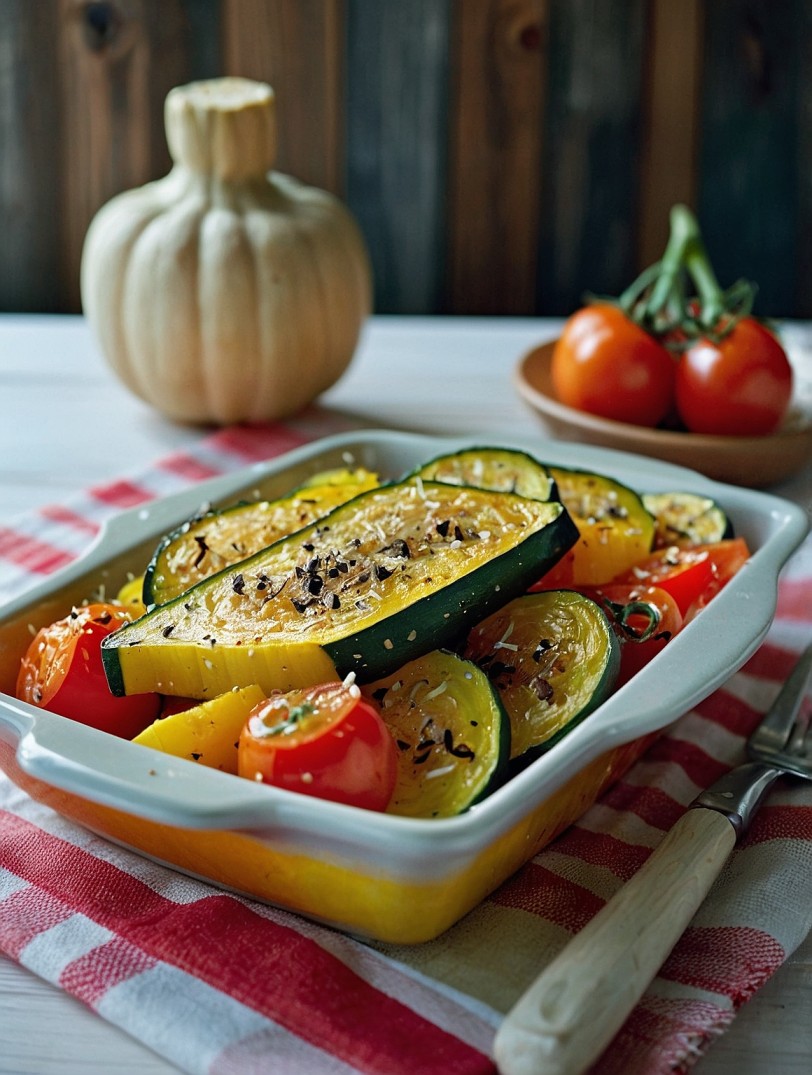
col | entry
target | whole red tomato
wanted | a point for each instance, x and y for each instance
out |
(740, 386)
(62, 671)
(605, 364)
(325, 741)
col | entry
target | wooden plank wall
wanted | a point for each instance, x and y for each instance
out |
(501, 156)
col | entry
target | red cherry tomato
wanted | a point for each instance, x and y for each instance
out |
(685, 573)
(325, 741)
(62, 671)
(740, 386)
(607, 365)
(727, 558)
(645, 618)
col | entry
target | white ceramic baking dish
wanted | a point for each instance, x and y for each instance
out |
(386, 877)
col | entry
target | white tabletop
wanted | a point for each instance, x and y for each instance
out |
(67, 424)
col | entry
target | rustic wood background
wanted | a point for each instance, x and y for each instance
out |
(501, 156)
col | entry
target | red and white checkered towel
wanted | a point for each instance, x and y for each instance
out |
(218, 984)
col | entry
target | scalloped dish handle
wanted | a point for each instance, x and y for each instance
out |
(126, 776)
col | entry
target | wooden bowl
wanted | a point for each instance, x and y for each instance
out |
(749, 461)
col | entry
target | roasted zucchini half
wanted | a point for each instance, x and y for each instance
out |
(553, 657)
(396, 572)
(686, 519)
(210, 542)
(615, 528)
(501, 469)
(451, 731)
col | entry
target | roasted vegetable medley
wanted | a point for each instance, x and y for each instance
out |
(403, 645)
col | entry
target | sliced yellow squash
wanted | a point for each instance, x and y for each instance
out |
(207, 733)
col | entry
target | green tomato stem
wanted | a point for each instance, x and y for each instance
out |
(686, 252)
(658, 302)
(637, 289)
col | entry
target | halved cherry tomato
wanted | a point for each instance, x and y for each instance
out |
(607, 365)
(685, 573)
(325, 741)
(727, 558)
(645, 619)
(62, 672)
(739, 386)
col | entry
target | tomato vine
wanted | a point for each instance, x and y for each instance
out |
(728, 372)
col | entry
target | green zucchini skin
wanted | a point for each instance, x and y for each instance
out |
(554, 657)
(506, 470)
(452, 734)
(220, 634)
(687, 519)
(443, 618)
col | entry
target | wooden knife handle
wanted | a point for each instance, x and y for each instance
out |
(568, 1016)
